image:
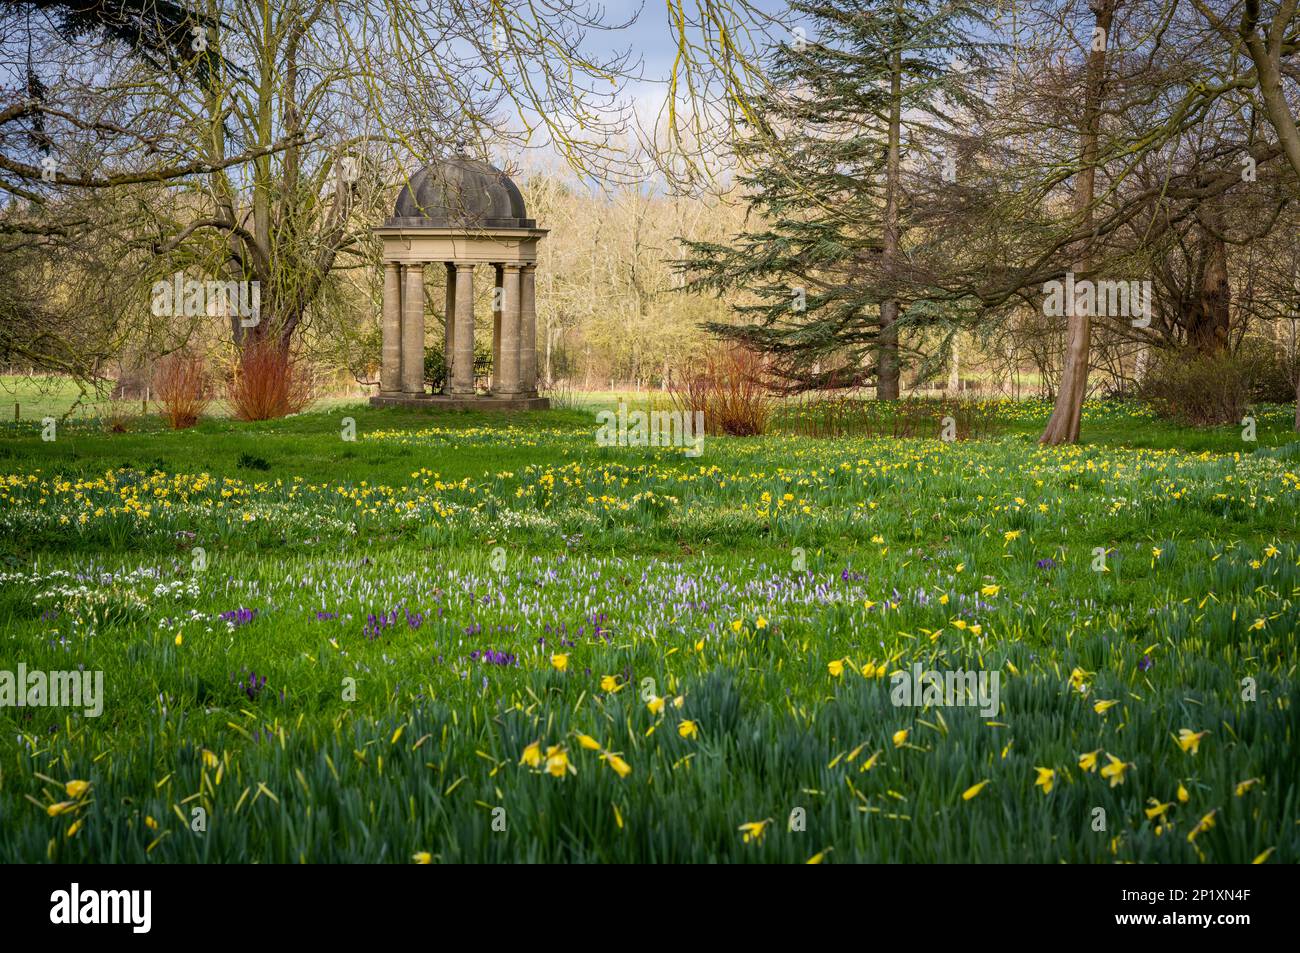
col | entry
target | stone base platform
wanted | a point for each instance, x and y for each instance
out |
(443, 402)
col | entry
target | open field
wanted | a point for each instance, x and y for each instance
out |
(487, 638)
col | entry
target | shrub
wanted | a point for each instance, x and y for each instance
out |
(247, 461)
(182, 387)
(563, 394)
(435, 366)
(268, 383)
(1275, 381)
(1203, 390)
(435, 369)
(732, 393)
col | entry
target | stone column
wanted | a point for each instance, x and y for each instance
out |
(390, 368)
(463, 382)
(528, 332)
(498, 294)
(507, 385)
(413, 331)
(449, 340)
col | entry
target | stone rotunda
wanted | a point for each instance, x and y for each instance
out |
(468, 217)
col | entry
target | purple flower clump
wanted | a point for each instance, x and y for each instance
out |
(250, 683)
(493, 657)
(375, 624)
(239, 616)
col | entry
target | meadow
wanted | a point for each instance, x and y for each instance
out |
(469, 637)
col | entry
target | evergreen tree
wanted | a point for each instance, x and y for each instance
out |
(854, 136)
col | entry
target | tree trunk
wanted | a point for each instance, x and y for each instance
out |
(887, 372)
(549, 376)
(1209, 334)
(1267, 54)
(1063, 427)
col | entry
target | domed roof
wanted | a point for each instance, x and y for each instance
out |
(460, 192)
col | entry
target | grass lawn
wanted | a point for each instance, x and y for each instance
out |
(468, 637)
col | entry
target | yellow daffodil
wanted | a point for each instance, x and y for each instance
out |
(76, 788)
(1183, 796)
(836, 667)
(688, 729)
(1115, 770)
(54, 810)
(1261, 858)
(1104, 705)
(655, 704)
(992, 589)
(973, 790)
(588, 742)
(753, 831)
(621, 767)
(1203, 825)
(1190, 740)
(560, 662)
(1157, 808)
(422, 857)
(1088, 761)
(1046, 778)
(532, 755)
(609, 683)
(1244, 786)
(760, 623)
(150, 823)
(900, 737)
(557, 762)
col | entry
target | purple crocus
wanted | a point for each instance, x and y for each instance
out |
(238, 617)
